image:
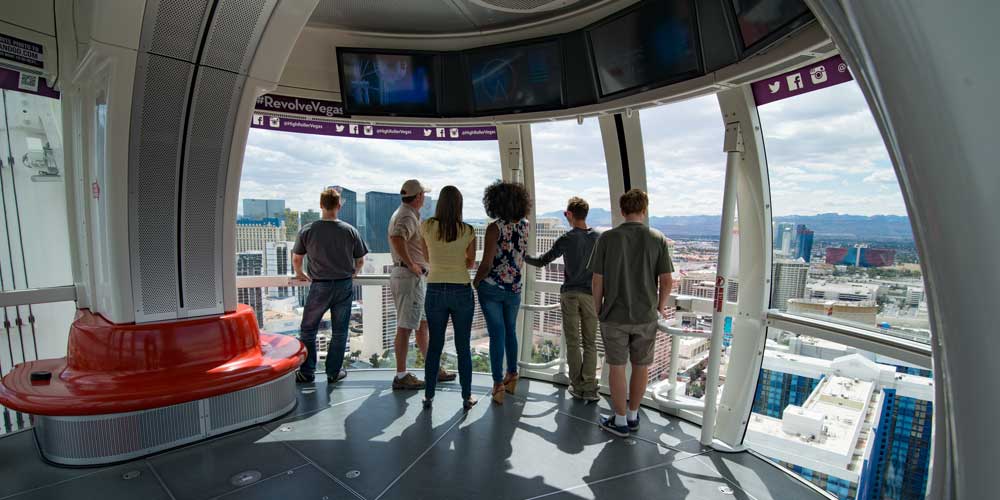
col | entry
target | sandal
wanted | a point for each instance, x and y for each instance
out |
(510, 382)
(498, 391)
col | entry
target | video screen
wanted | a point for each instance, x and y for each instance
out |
(514, 78)
(760, 18)
(375, 83)
(652, 44)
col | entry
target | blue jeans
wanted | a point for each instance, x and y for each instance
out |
(444, 300)
(500, 311)
(335, 296)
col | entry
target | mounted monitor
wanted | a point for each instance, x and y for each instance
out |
(761, 22)
(378, 82)
(648, 46)
(516, 78)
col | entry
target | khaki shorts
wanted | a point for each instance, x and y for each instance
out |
(625, 342)
(408, 291)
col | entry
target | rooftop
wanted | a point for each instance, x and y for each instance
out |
(361, 440)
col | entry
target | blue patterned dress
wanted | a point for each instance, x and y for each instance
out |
(511, 245)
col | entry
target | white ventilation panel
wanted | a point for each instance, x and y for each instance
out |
(235, 32)
(173, 28)
(159, 106)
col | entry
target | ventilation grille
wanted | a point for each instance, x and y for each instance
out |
(173, 27)
(234, 34)
(213, 110)
(158, 115)
(237, 409)
(524, 6)
(102, 439)
(111, 438)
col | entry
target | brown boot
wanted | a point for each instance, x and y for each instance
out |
(510, 382)
(444, 376)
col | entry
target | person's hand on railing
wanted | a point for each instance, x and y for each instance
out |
(301, 278)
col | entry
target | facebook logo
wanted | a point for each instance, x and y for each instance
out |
(794, 82)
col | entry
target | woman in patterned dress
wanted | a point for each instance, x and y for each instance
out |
(498, 281)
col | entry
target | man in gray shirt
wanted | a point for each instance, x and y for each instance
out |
(336, 253)
(578, 314)
(632, 281)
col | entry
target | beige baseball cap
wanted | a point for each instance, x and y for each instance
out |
(413, 187)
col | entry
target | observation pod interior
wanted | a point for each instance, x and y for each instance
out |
(156, 101)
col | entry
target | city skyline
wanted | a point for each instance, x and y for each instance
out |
(824, 152)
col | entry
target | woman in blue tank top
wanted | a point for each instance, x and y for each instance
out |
(498, 281)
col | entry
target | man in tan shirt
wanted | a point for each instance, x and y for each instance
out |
(408, 282)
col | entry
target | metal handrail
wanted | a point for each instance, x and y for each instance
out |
(28, 296)
(861, 338)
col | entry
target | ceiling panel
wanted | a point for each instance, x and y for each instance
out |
(439, 16)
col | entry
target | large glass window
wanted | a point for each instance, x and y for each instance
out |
(283, 175)
(685, 175)
(34, 231)
(843, 248)
(855, 423)
(569, 161)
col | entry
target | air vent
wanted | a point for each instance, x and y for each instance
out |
(173, 28)
(524, 6)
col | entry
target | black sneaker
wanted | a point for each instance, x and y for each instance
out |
(633, 425)
(340, 376)
(575, 393)
(591, 396)
(608, 424)
(303, 378)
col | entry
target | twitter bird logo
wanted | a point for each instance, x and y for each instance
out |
(774, 87)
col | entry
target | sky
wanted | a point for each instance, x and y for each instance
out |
(823, 149)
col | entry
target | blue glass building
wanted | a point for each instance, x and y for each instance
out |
(804, 244)
(261, 209)
(776, 390)
(379, 208)
(348, 205)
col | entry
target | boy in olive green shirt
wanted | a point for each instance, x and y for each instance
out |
(631, 285)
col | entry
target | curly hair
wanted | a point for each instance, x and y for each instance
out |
(507, 201)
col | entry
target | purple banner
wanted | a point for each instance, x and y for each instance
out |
(397, 132)
(300, 106)
(26, 82)
(826, 73)
(22, 51)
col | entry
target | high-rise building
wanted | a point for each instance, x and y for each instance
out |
(263, 209)
(789, 281)
(914, 295)
(804, 243)
(291, 224)
(861, 256)
(427, 211)
(379, 208)
(308, 217)
(253, 234)
(251, 263)
(856, 428)
(362, 219)
(847, 292)
(348, 205)
(278, 262)
(781, 229)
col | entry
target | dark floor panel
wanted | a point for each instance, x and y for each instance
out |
(205, 471)
(378, 436)
(319, 395)
(656, 427)
(683, 479)
(302, 483)
(22, 468)
(513, 451)
(757, 477)
(108, 484)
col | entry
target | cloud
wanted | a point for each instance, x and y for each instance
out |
(823, 149)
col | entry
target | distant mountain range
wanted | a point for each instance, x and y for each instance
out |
(827, 226)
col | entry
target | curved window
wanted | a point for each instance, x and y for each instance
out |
(856, 423)
(843, 248)
(283, 175)
(568, 161)
(685, 176)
